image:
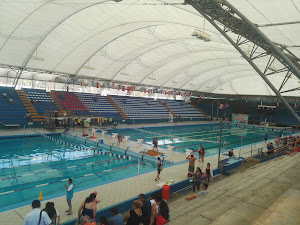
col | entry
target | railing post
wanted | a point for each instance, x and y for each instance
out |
(242, 166)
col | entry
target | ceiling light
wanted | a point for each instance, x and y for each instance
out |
(151, 77)
(200, 34)
(37, 58)
(124, 74)
(88, 67)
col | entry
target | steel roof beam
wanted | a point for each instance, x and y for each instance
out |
(235, 21)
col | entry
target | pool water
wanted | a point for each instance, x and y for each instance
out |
(30, 165)
(208, 135)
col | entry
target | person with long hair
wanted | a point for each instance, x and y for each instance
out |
(197, 179)
(208, 173)
(134, 216)
(88, 208)
(160, 213)
(201, 153)
(52, 213)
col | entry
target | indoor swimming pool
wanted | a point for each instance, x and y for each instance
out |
(32, 164)
(207, 135)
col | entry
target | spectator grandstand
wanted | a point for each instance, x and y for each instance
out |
(11, 113)
(141, 108)
(70, 102)
(40, 100)
(98, 105)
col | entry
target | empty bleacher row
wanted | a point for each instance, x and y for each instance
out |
(183, 109)
(40, 100)
(70, 102)
(98, 104)
(141, 108)
(11, 113)
(86, 104)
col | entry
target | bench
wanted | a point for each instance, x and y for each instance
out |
(10, 125)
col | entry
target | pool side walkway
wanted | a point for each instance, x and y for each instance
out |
(114, 192)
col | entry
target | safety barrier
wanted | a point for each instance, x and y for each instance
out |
(275, 153)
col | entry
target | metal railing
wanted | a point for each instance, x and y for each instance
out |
(275, 153)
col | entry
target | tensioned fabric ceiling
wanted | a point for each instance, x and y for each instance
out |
(145, 42)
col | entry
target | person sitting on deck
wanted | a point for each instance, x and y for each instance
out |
(270, 148)
(230, 153)
(11, 101)
(4, 95)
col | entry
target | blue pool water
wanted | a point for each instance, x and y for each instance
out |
(30, 165)
(191, 136)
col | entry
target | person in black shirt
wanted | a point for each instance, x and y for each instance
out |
(146, 209)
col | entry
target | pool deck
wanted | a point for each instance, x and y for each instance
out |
(117, 191)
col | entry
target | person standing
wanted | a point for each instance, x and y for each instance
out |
(155, 144)
(208, 173)
(158, 165)
(266, 137)
(192, 160)
(146, 209)
(119, 139)
(197, 179)
(36, 216)
(70, 191)
(201, 153)
(88, 208)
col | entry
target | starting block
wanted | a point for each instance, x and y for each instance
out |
(126, 138)
(114, 135)
(188, 151)
(140, 140)
(103, 132)
(170, 147)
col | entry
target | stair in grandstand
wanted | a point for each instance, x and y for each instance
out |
(169, 110)
(249, 197)
(29, 107)
(61, 111)
(201, 111)
(121, 113)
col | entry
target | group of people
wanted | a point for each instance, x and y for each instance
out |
(144, 211)
(48, 216)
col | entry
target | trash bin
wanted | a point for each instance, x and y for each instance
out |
(165, 192)
(101, 141)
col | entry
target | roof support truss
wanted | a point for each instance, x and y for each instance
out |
(235, 22)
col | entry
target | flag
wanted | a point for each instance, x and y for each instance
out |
(98, 84)
(112, 86)
(226, 105)
(118, 87)
(81, 83)
(123, 88)
(221, 106)
(132, 88)
(128, 89)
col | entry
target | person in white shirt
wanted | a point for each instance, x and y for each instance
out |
(36, 216)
